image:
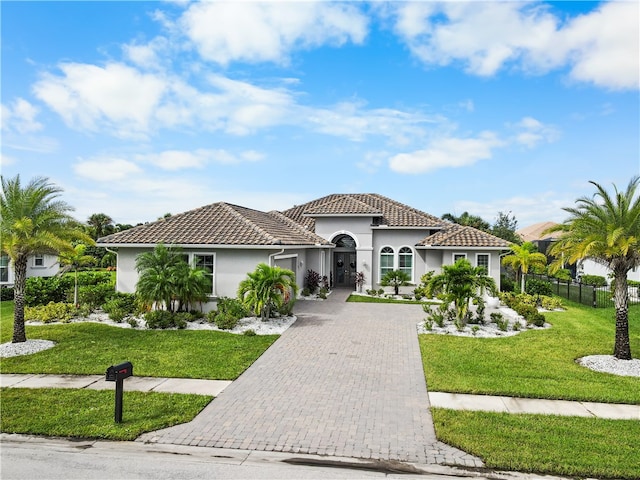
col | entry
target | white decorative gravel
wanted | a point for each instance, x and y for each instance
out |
(274, 326)
(610, 364)
(24, 348)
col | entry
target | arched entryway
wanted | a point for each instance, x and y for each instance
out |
(344, 261)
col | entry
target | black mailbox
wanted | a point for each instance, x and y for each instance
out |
(119, 372)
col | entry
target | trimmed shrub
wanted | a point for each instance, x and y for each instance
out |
(95, 295)
(595, 280)
(163, 319)
(6, 293)
(45, 290)
(52, 312)
(225, 321)
(538, 287)
(120, 306)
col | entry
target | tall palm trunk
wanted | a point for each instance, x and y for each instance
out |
(622, 347)
(20, 269)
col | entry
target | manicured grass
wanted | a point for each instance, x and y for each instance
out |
(535, 364)
(573, 446)
(89, 348)
(90, 413)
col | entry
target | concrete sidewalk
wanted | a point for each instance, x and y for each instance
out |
(97, 382)
(455, 401)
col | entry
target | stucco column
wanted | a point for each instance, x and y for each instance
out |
(365, 264)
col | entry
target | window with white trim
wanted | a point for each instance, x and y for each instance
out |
(386, 260)
(207, 263)
(458, 256)
(482, 260)
(405, 261)
(38, 260)
(4, 268)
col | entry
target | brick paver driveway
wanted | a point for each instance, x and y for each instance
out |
(346, 379)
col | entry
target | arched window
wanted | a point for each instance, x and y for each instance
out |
(405, 261)
(386, 261)
(345, 241)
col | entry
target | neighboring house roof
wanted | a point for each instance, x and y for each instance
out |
(462, 236)
(533, 233)
(392, 213)
(218, 224)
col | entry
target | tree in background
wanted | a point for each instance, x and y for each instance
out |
(522, 258)
(73, 260)
(33, 221)
(468, 220)
(100, 224)
(605, 228)
(505, 227)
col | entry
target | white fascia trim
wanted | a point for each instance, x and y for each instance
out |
(212, 246)
(487, 249)
(387, 227)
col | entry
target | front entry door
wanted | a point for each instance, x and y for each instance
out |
(344, 266)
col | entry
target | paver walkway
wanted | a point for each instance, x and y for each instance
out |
(344, 380)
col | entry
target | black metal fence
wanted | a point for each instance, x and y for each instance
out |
(597, 297)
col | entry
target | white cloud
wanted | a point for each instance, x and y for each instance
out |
(179, 160)
(124, 102)
(268, 31)
(6, 160)
(600, 47)
(605, 46)
(87, 96)
(449, 152)
(106, 169)
(532, 132)
(20, 117)
(147, 56)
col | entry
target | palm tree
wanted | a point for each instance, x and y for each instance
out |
(267, 287)
(395, 279)
(461, 283)
(33, 221)
(156, 284)
(522, 258)
(101, 224)
(468, 220)
(73, 260)
(605, 228)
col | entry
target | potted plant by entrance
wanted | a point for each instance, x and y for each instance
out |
(359, 281)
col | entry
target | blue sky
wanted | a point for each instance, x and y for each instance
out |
(137, 109)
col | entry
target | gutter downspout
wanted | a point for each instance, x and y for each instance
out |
(271, 256)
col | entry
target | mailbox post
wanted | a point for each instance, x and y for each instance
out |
(117, 373)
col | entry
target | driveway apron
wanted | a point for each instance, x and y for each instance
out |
(345, 380)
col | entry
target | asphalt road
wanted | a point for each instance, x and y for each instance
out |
(23, 457)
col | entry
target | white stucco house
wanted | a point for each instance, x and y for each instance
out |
(337, 236)
(43, 265)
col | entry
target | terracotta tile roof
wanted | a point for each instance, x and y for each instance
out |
(461, 236)
(343, 205)
(394, 214)
(218, 224)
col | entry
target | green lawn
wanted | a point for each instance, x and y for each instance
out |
(90, 413)
(367, 299)
(535, 364)
(89, 348)
(572, 446)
